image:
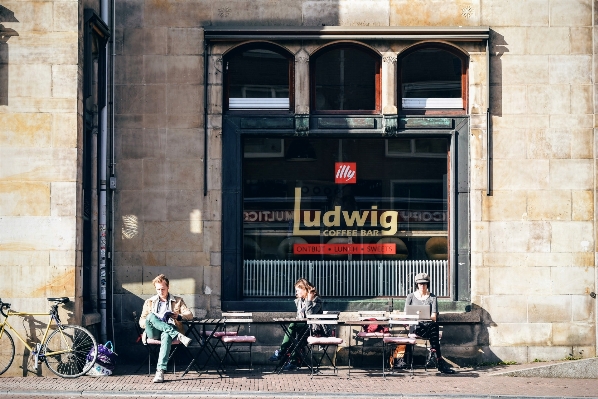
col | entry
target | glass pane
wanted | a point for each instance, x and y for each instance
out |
(258, 73)
(430, 146)
(349, 218)
(431, 73)
(399, 146)
(345, 80)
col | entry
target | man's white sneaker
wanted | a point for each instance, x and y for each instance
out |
(159, 376)
(184, 340)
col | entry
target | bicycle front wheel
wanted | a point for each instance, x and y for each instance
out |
(7, 351)
(67, 349)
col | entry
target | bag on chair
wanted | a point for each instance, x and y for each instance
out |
(372, 328)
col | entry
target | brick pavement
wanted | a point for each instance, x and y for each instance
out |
(262, 383)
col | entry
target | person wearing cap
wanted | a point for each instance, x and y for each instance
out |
(428, 329)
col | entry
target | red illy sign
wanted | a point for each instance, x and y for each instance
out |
(345, 172)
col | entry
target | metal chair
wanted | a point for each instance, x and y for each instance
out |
(329, 319)
(364, 336)
(152, 347)
(392, 341)
(235, 322)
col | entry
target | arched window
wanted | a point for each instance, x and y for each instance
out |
(345, 78)
(433, 77)
(259, 76)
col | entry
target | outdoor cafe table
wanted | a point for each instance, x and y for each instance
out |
(396, 320)
(284, 323)
(196, 329)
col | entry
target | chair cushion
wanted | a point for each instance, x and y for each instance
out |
(151, 341)
(219, 334)
(364, 334)
(238, 338)
(399, 340)
(324, 340)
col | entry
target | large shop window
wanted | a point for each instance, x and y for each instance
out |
(433, 77)
(259, 76)
(346, 78)
(358, 217)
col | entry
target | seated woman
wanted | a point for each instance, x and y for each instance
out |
(428, 329)
(307, 302)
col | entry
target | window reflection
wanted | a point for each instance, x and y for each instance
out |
(405, 198)
(258, 78)
(345, 79)
(431, 78)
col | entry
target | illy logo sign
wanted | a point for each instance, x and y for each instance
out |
(346, 172)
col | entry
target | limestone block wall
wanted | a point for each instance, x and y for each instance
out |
(532, 240)
(39, 152)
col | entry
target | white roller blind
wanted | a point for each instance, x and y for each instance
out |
(430, 103)
(258, 103)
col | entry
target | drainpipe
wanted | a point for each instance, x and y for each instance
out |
(488, 135)
(206, 47)
(112, 168)
(102, 158)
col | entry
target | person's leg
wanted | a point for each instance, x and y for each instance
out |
(287, 340)
(431, 331)
(157, 329)
(300, 330)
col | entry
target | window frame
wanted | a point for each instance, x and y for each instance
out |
(378, 79)
(265, 46)
(237, 126)
(464, 80)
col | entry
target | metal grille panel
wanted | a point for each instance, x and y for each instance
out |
(343, 278)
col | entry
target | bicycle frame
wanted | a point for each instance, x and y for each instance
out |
(52, 317)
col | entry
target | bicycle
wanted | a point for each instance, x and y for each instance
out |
(66, 350)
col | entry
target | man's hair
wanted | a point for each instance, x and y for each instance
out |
(161, 279)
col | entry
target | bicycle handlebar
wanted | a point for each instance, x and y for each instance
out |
(2, 306)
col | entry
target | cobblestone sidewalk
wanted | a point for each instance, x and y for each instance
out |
(261, 382)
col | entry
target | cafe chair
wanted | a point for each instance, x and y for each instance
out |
(235, 323)
(152, 347)
(325, 343)
(364, 336)
(402, 323)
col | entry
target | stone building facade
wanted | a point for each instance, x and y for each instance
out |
(519, 185)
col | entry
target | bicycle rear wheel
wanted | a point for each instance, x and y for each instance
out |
(67, 349)
(7, 351)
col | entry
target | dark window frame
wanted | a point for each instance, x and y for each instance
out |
(253, 46)
(378, 79)
(464, 80)
(237, 126)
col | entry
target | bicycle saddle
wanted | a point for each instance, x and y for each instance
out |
(63, 299)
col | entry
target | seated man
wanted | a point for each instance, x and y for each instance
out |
(161, 317)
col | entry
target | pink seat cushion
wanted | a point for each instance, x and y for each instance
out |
(324, 340)
(219, 334)
(399, 340)
(364, 334)
(151, 341)
(418, 337)
(238, 338)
